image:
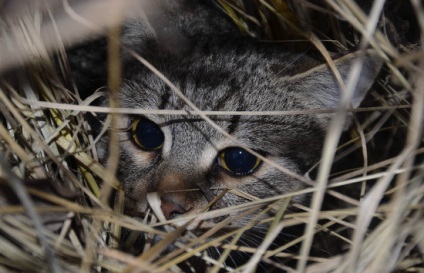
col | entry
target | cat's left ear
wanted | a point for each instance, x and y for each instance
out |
(321, 85)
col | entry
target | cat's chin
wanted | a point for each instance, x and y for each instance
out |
(240, 254)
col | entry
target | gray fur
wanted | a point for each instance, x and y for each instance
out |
(226, 72)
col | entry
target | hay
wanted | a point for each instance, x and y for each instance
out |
(55, 209)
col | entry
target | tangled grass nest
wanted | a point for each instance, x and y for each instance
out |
(56, 214)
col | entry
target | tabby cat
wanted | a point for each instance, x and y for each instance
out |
(186, 161)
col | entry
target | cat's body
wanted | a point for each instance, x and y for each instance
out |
(188, 162)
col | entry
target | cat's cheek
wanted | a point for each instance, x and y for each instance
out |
(102, 149)
(225, 180)
(136, 192)
(140, 158)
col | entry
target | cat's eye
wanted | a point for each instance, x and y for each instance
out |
(238, 161)
(147, 134)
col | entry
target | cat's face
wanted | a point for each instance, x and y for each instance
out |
(189, 163)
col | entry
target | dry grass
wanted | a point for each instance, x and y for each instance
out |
(60, 218)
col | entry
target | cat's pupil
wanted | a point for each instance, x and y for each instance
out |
(147, 134)
(238, 161)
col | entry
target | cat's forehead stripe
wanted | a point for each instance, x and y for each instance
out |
(220, 102)
(165, 98)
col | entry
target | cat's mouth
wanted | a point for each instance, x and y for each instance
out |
(213, 219)
(214, 228)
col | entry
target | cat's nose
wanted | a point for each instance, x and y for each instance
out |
(170, 209)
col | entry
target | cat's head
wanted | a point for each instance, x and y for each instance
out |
(188, 163)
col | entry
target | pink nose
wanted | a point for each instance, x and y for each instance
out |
(170, 209)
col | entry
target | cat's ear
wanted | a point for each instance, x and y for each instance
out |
(321, 85)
